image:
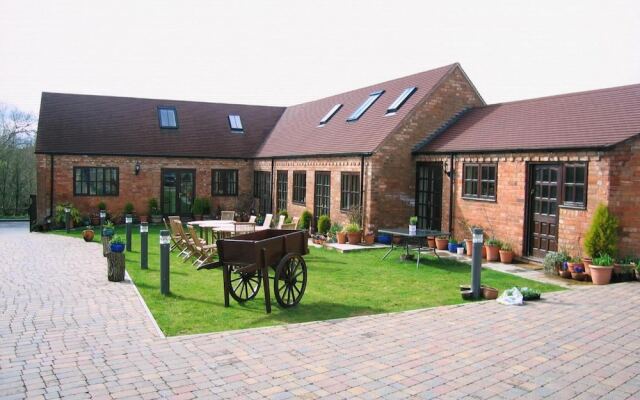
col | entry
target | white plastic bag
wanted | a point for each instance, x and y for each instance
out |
(511, 297)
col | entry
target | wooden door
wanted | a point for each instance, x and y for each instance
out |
(543, 209)
(429, 195)
(178, 191)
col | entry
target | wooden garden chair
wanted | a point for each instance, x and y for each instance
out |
(182, 240)
(176, 239)
(244, 227)
(227, 215)
(294, 221)
(291, 226)
(280, 222)
(252, 219)
(267, 221)
(202, 251)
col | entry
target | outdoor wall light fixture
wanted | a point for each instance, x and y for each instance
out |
(137, 168)
(446, 168)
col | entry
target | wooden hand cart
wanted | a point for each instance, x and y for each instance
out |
(246, 260)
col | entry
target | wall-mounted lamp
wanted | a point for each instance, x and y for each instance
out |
(446, 168)
(137, 168)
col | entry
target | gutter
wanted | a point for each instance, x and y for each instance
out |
(51, 189)
(451, 194)
(362, 191)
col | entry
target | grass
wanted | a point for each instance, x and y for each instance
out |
(339, 285)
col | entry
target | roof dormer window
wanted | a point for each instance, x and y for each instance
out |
(168, 117)
(404, 96)
(235, 123)
(365, 106)
(330, 114)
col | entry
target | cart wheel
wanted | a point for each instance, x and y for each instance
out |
(244, 285)
(290, 280)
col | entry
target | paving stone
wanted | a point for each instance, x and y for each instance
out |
(68, 332)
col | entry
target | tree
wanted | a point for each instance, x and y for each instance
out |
(17, 159)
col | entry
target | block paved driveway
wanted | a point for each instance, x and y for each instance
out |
(67, 332)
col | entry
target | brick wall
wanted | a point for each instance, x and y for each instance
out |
(334, 165)
(393, 167)
(137, 189)
(505, 217)
(624, 197)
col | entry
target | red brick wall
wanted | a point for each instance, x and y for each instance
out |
(137, 189)
(334, 165)
(625, 194)
(393, 166)
(505, 218)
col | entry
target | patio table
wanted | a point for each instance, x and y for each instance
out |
(420, 238)
(221, 226)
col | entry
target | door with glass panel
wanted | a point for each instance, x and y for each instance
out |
(543, 209)
(178, 191)
(322, 194)
(429, 195)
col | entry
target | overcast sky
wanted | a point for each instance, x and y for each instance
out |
(288, 52)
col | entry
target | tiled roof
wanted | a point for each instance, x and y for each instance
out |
(297, 132)
(84, 124)
(593, 119)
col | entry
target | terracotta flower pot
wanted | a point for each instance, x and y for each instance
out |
(565, 274)
(506, 256)
(570, 266)
(88, 235)
(484, 252)
(489, 293)
(493, 253)
(397, 239)
(442, 244)
(355, 237)
(431, 242)
(342, 237)
(468, 243)
(601, 275)
(586, 261)
(578, 276)
(369, 238)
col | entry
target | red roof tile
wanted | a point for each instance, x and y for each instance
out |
(297, 132)
(592, 119)
(84, 124)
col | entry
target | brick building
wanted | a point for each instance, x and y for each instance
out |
(425, 144)
(532, 172)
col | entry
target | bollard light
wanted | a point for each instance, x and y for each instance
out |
(144, 247)
(128, 220)
(165, 241)
(67, 218)
(476, 262)
(103, 215)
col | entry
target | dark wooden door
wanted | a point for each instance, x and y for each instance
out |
(543, 209)
(262, 191)
(178, 191)
(322, 194)
(429, 195)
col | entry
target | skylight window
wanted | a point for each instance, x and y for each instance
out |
(167, 117)
(235, 123)
(395, 106)
(330, 114)
(365, 106)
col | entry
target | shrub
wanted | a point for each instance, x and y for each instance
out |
(108, 224)
(352, 228)
(506, 247)
(335, 229)
(102, 206)
(493, 242)
(60, 214)
(551, 259)
(305, 220)
(128, 208)
(602, 236)
(206, 205)
(413, 221)
(354, 215)
(197, 207)
(153, 206)
(324, 224)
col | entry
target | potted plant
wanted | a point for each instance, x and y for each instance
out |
(489, 293)
(602, 236)
(354, 233)
(623, 270)
(452, 246)
(529, 294)
(442, 242)
(197, 208)
(564, 271)
(305, 220)
(61, 217)
(369, 238)
(333, 232)
(154, 211)
(601, 269)
(578, 272)
(460, 249)
(553, 261)
(88, 234)
(431, 242)
(108, 229)
(324, 224)
(341, 236)
(506, 253)
(413, 221)
(128, 209)
(206, 209)
(468, 241)
(117, 244)
(493, 249)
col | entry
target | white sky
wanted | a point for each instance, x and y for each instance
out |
(287, 52)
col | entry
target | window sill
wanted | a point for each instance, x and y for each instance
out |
(223, 195)
(95, 195)
(297, 203)
(480, 199)
(573, 207)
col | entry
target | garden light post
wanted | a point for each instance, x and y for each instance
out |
(67, 218)
(165, 241)
(103, 215)
(476, 263)
(128, 220)
(144, 245)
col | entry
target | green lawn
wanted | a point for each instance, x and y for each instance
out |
(339, 285)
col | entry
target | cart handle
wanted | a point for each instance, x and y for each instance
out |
(211, 265)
